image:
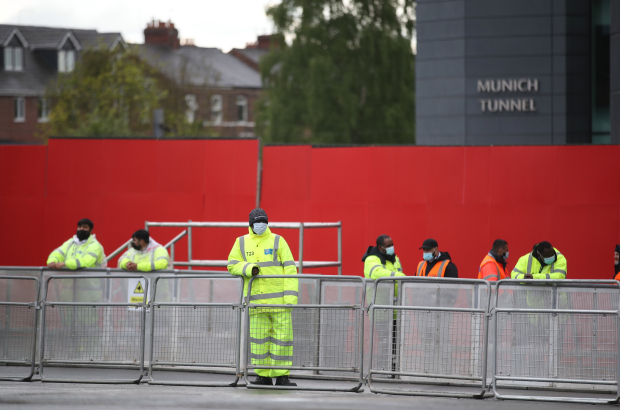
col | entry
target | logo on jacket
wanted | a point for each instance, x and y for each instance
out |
(268, 251)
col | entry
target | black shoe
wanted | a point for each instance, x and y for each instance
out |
(265, 381)
(284, 381)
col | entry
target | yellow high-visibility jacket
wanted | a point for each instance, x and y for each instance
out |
(529, 264)
(375, 268)
(272, 255)
(75, 255)
(154, 257)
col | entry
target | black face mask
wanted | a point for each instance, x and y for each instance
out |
(81, 235)
(136, 246)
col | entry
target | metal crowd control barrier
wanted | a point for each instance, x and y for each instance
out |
(192, 336)
(300, 263)
(557, 335)
(436, 335)
(18, 326)
(90, 330)
(321, 336)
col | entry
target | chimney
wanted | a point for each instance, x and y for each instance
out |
(162, 33)
(264, 42)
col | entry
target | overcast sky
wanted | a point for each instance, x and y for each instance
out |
(223, 24)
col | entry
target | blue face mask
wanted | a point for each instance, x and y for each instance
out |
(506, 256)
(390, 250)
(550, 260)
(259, 228)
(428, 256)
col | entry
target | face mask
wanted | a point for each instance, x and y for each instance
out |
(390, 250)
(428, 256)
(81, 235)
(136, 246)
(550, 260)
(506, 256)
(259, 228)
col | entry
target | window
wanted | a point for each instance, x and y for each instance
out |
(19, 114)
(192, 106)
(216, 109)
(43, 110)
(242, 108)
(13, 59)
(66, 61)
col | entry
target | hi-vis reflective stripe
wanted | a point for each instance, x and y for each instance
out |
(443, 263)
(499, 276)
(288, 263)
(529, 263)
(393, 274)
(242, 247)
(271, 339)
(60, 250)
(420, 269)
(276, 245)
(558, 271)
(232, 262)
(372, 269)
(245, 267)
(94, 255)
(268, 264)
(77, 262)
(274, 295)
(273, 356)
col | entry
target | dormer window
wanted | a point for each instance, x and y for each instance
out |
(66, 61)
(13, 59)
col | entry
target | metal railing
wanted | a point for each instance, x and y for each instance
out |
(169, 246)
(302, 226)
(435, 334)
(321, 334)
(199, 335)
(557, 335)
(18, 327)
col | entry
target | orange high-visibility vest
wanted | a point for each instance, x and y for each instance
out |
(438, 270)
(501, 274)
(617, 276)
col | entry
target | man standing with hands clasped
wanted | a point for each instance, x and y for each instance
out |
(258, 253)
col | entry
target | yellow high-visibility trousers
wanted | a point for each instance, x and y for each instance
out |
(271, 340)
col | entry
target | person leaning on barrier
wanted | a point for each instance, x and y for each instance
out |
(493, 266)
(145, 255)
(381, 261)
(617, 263)
(544, 262)
(258, 253)
(435, 263)
(81, 251)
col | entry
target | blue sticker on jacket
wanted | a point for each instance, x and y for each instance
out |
(268, 251)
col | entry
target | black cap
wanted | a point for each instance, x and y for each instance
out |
(429, 244)
(617, 248)
(258, 215)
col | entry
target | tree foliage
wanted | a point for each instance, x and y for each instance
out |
(345, 76)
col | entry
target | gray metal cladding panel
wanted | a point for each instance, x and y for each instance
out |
(542, 104)
(615, 17)
(571, 25)
(440, 10)
(445, 87)
(615, 118)
(439, 69)
(509, 66)
(503, 139)
(508, 124)
(440, 30)
(544, 86)
(431, 50)
(433, 107)
(572, 6)
(615, 61)
(435, 140)
(578, 123)
(559, 124)
(508, 8)
(440, 125)
(562, 65)
(508, 26)
(522, 46)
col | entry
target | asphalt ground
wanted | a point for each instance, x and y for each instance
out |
(52, 396)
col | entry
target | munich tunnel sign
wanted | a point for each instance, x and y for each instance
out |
(510, 85)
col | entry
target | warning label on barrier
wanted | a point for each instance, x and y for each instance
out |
(135, 291)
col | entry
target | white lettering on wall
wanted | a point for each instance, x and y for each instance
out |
(508, 85)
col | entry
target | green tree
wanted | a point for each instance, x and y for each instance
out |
(346, 75)
(110, 93)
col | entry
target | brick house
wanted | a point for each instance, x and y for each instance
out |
(220, 88)
(30, 58)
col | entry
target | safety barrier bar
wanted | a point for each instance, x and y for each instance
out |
(557, 333)
(169, 245)
(309, 333)
(300, 263)
(209, 335)
(428, 338)
(18, 337)
(80, 333)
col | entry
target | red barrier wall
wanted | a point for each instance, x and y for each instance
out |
(119, 184)
(464, 197)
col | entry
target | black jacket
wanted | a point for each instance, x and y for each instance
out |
(499, 259)
(451, 270)
(373, 250)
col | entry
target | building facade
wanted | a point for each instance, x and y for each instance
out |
(30, 58)
(517, 72)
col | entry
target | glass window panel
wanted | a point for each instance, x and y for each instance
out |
(8, 58)
(70, 61)
(18, 62)
(61, 61)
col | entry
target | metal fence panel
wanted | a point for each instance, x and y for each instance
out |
(196, 326)
(18, 326)
(322, 335)
(81, 327)
(557, 335)
(439, 332)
